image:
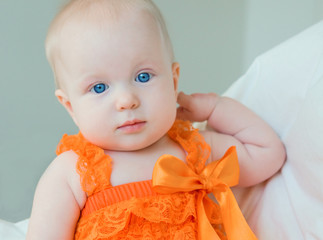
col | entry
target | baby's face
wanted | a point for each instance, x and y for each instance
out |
(119, 83)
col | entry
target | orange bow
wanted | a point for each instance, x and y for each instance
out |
(172, 175)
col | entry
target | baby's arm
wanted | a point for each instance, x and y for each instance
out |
(58, 201)
(260, 151)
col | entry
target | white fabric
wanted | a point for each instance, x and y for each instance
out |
(13, 231)
(285, 87)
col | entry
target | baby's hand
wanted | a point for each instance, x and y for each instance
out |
(196, 107)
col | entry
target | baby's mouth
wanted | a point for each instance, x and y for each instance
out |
(132, 126)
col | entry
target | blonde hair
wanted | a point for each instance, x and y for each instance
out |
(110, 8)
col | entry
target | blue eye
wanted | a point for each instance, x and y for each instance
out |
(143, 77)
(99, 88)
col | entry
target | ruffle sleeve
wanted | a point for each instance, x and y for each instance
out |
(198, 151)
(93, 165)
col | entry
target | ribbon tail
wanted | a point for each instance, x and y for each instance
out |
(235, 225)
(205, 229)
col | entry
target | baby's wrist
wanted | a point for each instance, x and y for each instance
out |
(215, 100)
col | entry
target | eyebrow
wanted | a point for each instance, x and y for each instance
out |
(86, 80)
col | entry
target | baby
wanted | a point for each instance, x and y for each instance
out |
(135, 171)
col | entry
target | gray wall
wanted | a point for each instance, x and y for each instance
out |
(214, 40)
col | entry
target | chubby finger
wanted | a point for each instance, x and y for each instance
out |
(184, 109)
(183, 114)
(184, 100)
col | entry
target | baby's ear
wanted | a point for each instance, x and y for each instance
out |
(63, 99)
(175, 69)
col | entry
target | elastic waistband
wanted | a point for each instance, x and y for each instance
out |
(117, 194)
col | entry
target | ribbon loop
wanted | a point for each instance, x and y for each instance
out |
(172, 175)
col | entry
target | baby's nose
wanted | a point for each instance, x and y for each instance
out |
(126, 101)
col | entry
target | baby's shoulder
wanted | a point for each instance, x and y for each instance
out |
(64, 163)
(62, 170)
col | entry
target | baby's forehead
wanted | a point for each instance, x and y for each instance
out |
(111, 10)
(102, 15)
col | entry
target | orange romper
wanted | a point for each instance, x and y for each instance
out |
(173, 205)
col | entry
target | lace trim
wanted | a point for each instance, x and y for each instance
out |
(158, 217)
(193, 142)
(93, 165)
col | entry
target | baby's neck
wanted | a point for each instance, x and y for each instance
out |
(134, 166)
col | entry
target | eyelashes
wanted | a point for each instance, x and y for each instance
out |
(99, 88)
(102, 87)
(143, 77)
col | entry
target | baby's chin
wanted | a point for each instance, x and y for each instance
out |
(134, 145)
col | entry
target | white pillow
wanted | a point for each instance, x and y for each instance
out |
(13, 231)
(285, 87)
